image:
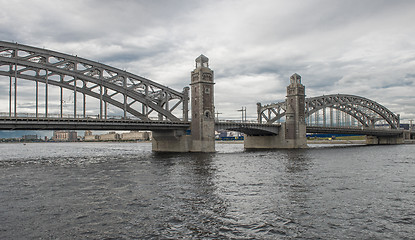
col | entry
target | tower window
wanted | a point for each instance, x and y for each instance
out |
(207, 90)
(207, 114)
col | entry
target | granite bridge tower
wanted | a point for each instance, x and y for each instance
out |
(201, 137)
(292, 133)
(203, 109)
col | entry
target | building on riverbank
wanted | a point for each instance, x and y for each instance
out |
(113, 136)
(136, 135)
(65, 136)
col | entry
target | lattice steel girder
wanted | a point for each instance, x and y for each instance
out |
(272, 110)
(366, 111)
(37, 64)
(351, 110)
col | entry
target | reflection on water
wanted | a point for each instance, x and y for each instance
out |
(193, 208)
(125, 191)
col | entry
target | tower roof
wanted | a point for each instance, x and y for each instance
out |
(202, 58)
(202, 61)
(295, 78)
(296, 75)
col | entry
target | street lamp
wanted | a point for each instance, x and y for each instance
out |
(217, 115)
(243, 110)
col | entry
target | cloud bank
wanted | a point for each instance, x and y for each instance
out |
(357, 47)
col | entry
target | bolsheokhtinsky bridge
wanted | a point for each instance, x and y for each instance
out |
(72, 93)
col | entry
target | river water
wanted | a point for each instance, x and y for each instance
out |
(124, 191)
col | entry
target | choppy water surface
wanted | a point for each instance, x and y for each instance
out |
(124, 191)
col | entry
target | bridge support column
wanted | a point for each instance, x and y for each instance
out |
(392, 140)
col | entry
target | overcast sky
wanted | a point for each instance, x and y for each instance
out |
(358, 47)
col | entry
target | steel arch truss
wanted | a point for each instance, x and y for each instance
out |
(364, 110)
(107, 84)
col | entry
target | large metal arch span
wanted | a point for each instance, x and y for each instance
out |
(355, 106)
(63, 70)
(356, 113)
(89, 93)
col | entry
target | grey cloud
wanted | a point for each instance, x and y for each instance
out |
(410, 76)
(355, 47)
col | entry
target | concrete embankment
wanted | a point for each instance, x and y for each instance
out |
(309, 142)
(336, 142)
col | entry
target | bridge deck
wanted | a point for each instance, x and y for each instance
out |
(249, 128)
(272, 129)
(16, 123)
(380, 132)
(32, 123)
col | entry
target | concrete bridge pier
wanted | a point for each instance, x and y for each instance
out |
(279, 141)
(171, 141)
(293, 131)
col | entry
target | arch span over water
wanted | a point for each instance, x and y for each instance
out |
(364, 110)
(135, 95)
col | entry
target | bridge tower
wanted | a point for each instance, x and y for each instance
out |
(295, 126)
(203, 109)
(292, 133)
(202, 126)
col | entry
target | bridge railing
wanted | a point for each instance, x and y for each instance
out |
(70, 116)
(236, 121)
(56, 115)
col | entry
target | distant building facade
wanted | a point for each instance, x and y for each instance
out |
(113, 136)
(88, 136)
(65, 136)
(135, 135)
(30, 137)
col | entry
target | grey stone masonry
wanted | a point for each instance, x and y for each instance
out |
(202, 102)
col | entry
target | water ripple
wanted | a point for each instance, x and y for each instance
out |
(124, 191)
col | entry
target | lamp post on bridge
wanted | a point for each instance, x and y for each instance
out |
(217, 116)
(243, 110)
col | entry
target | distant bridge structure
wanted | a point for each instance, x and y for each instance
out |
(341, 114)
